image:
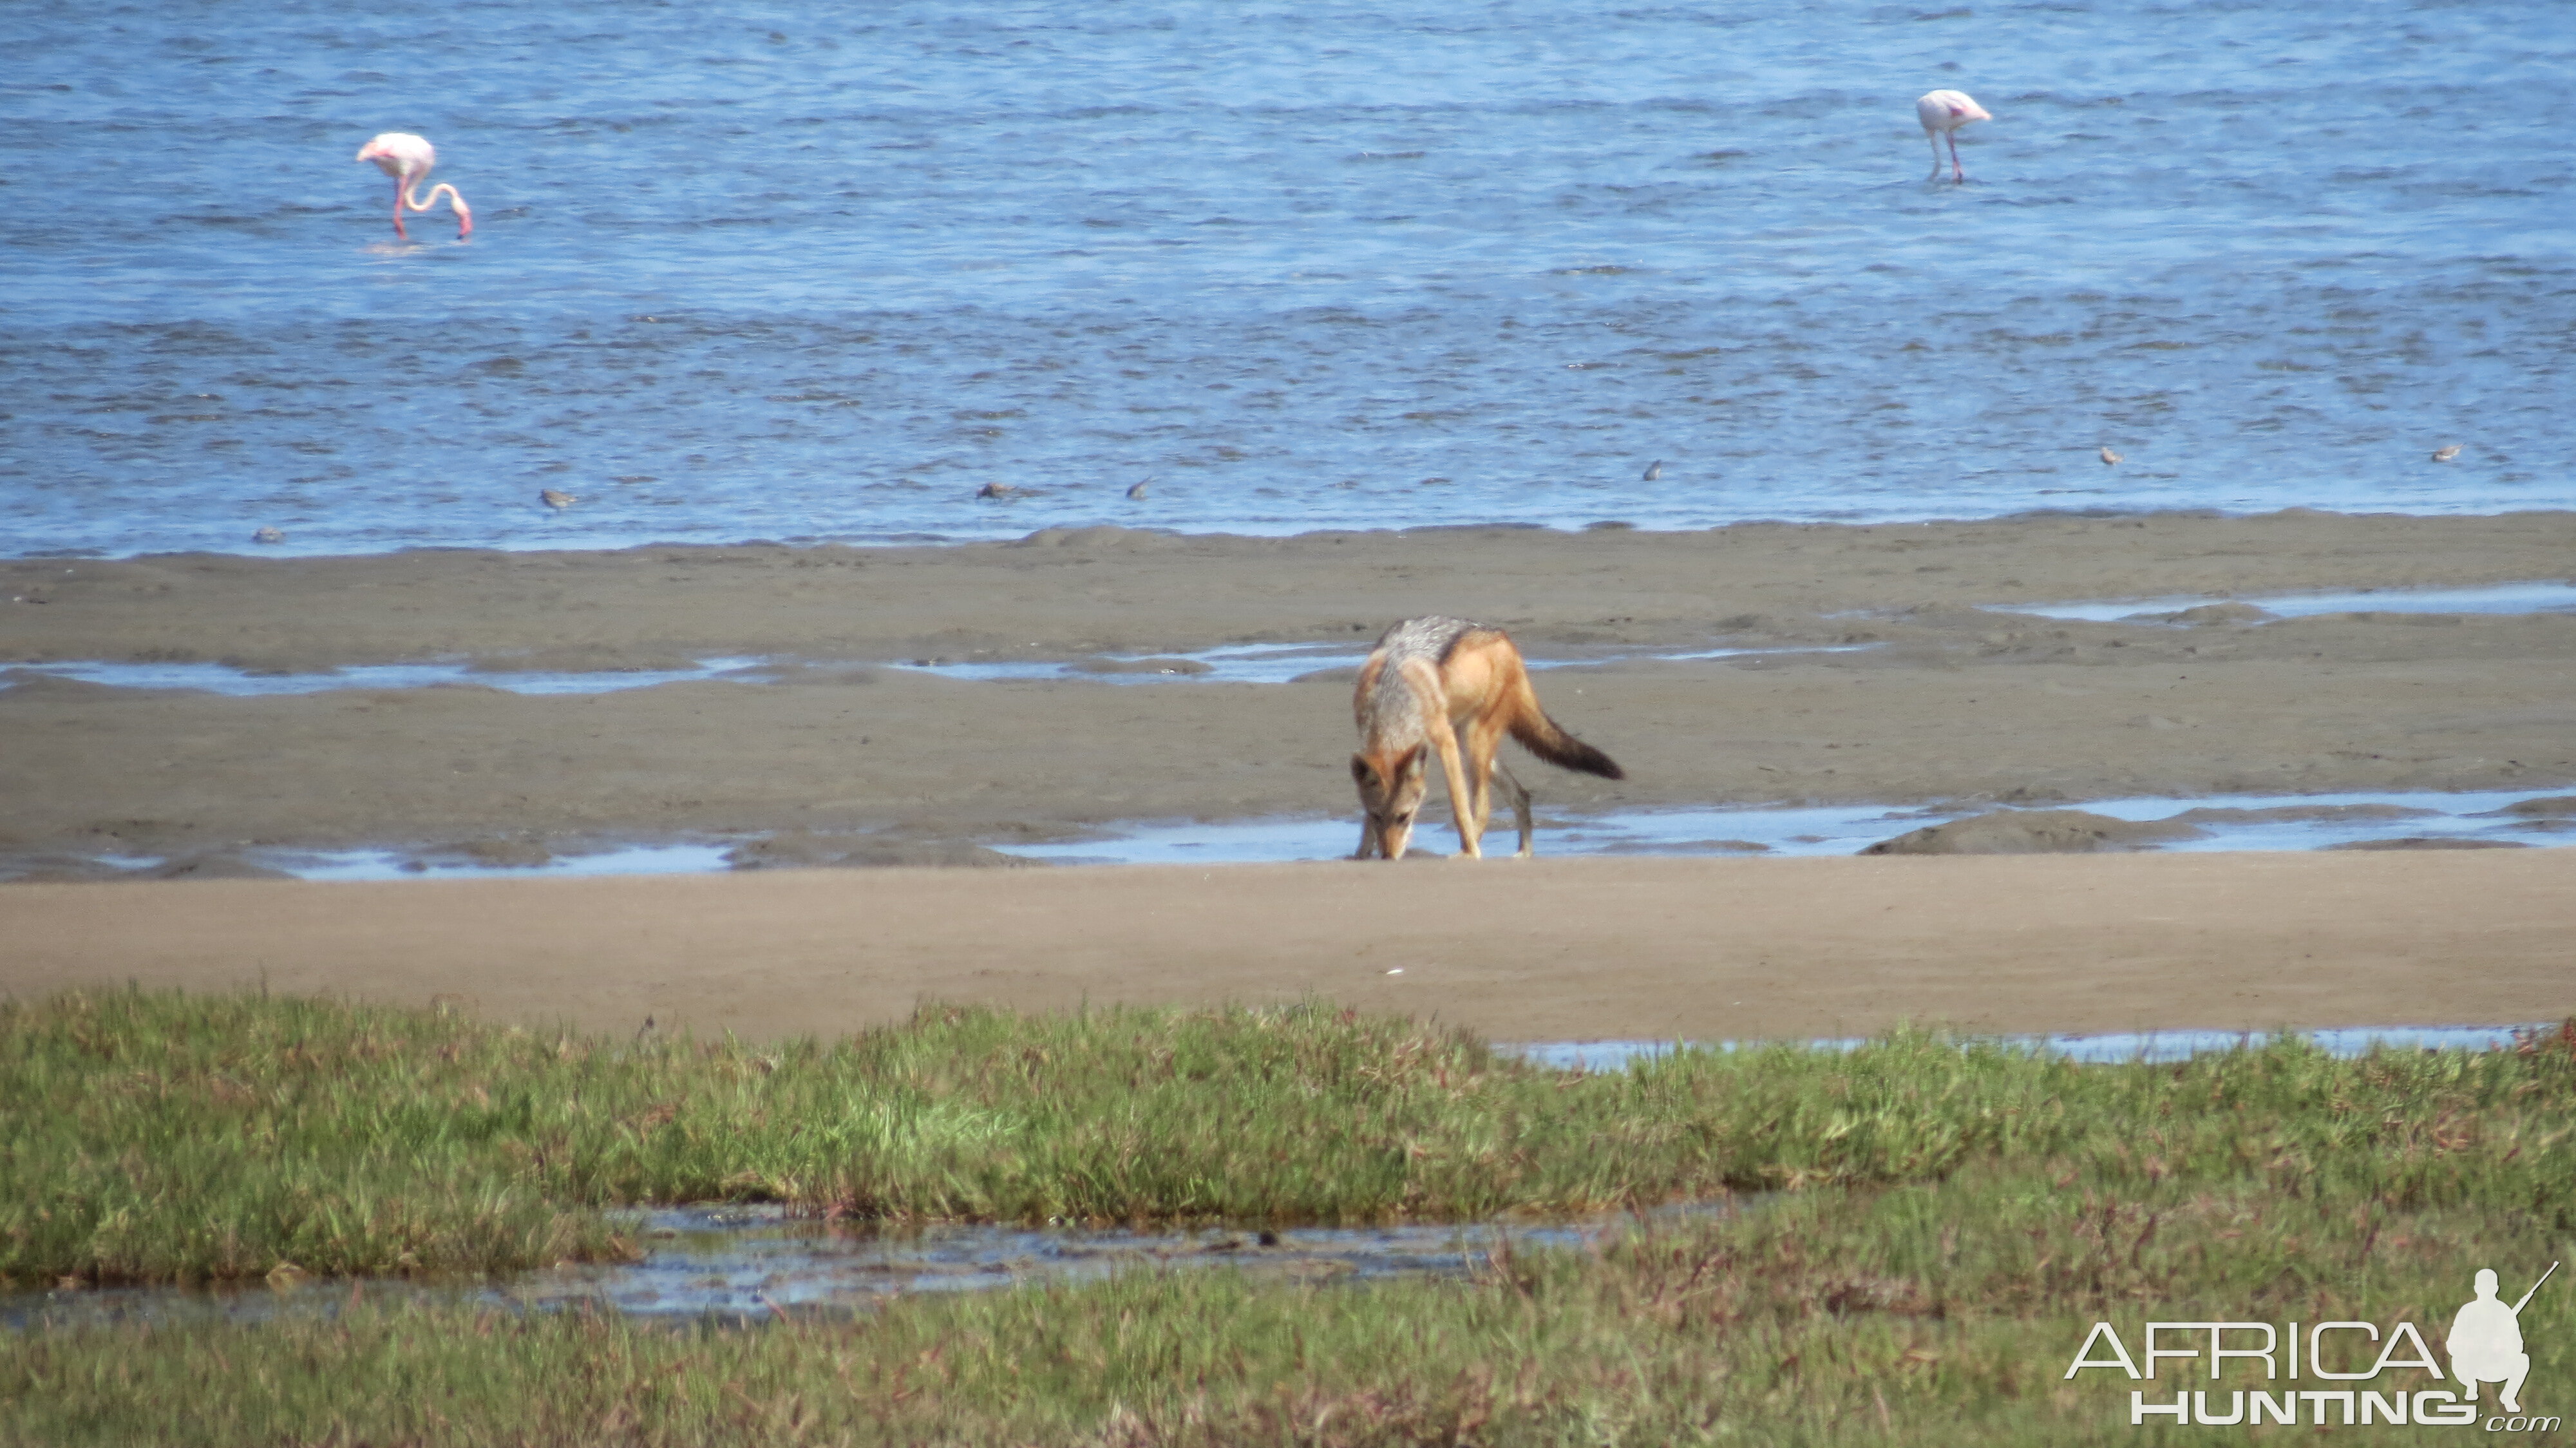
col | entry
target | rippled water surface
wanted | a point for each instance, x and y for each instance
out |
(801, 271)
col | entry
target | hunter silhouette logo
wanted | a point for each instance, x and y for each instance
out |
(2485, 1346)
(2486, 1341)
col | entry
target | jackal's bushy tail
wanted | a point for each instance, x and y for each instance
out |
(1540, 735)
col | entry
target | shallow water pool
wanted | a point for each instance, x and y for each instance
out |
(1225, 664)
(2106, 1048)
(218, 678)
(2237, 822)
(2234, 822)
(749, 1264)
(2502, 598)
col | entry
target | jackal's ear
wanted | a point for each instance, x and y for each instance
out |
(1363, 773)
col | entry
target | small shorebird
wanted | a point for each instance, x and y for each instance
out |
(408, 159)
(268, 535)
(1942, 113)
(2446, 453)
(995, 490)
(1654, 472)
(555, 500)
(1136, 494)
(2109, 457)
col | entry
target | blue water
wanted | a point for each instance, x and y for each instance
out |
(214, 678)
(775, 270)
(2111, 1048)
(742, 1264)
(2234, 822)
(1285, 663)
(1225, 664)
(2503, 598)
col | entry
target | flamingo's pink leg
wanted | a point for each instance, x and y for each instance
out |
(398, 204)
(1956, 173)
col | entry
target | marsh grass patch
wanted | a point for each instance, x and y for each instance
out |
(1949, 1218)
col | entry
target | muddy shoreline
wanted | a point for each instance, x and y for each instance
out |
(1950, 703)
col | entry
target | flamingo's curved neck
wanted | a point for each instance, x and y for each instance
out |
(410, 197)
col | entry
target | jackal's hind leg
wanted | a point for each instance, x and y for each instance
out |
(1520, 799)
(1517, 794)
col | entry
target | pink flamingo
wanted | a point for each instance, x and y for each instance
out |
(407, 158)
(1943, 112)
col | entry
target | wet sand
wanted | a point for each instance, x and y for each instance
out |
(1951, 704)
(1539, 950)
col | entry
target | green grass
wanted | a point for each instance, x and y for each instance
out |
(1965, 1215)
(1943, 1312)
(162, 1137)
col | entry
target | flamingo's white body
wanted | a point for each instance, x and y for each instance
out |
(1943, 112)
(407, 158)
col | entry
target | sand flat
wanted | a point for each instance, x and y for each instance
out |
(1941, 701)
(1946, 702)
(1540, 950)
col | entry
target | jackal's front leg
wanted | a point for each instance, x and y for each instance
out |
(1464, 800)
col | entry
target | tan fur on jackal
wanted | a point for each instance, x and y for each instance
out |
(1456, 687)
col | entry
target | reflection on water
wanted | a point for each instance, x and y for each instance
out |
(2494, 598)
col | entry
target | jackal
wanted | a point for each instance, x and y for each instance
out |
(1447, 684)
